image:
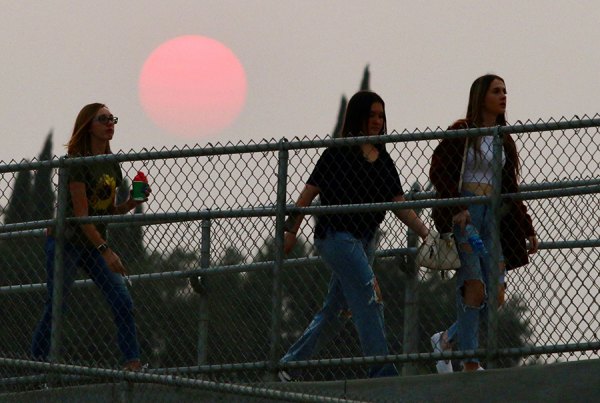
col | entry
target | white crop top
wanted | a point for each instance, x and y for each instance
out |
(479, 170)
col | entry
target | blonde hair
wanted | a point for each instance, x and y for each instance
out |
(80, 143)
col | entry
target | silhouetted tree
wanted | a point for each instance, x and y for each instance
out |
(43, 196)
(337, 131)
(364, 85)
(20, 205)
(22, 259)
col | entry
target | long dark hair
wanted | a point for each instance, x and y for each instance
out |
(477, 94)
(80, 143)
(358, 111)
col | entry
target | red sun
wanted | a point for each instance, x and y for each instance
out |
(192, 86)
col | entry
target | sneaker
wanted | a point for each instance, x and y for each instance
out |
(442, 366)
(285, 376)
(479, 368)
(134, 366)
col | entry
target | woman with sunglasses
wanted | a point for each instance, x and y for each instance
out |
(92, 190)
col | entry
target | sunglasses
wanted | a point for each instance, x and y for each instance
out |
(105, 119)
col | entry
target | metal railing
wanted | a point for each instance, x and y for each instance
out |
(215, 295)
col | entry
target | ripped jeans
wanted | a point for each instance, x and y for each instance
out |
(465, 331)
(352, 287)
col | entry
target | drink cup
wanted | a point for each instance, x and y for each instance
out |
(139, 190)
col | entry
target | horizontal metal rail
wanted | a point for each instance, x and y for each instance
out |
(396, 358)
(170, 380)
(276, 145)
(268, 265)
(163, 218)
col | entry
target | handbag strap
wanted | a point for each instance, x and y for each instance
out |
(462, 167)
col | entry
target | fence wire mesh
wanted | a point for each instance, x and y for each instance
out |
(195, 323)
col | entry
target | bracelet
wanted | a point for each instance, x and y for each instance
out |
(102, 247)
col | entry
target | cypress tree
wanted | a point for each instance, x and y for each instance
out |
(337, 132)
(19, 206)
(364, 85)
(43, 196)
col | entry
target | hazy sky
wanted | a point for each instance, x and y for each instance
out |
(299, 57)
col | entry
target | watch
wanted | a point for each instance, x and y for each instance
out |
(102, 247)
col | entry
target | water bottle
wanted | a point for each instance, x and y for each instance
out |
(475, 240)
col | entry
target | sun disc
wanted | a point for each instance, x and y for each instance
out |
(192, 86)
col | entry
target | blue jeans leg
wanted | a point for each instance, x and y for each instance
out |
(349, 259)
(112, 287)
(40, 346)
(473, 267)
(325, 325)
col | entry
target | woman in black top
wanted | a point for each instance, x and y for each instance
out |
(351, 175)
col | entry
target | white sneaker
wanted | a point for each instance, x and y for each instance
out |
(284, 376)
(479, 368)
(442, 366)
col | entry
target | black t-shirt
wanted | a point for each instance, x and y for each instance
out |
(344, 176)
(101, 181)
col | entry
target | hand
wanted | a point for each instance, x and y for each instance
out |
(533, 245)
(114, 262)
(462, 219)
(289, 240)
(429, 238)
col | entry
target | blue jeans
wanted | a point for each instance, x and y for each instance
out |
(110, 284)
(352, 286)
(473, 267)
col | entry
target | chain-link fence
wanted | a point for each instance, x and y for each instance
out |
(215, 298)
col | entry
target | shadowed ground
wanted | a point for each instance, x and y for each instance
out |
(562, 382)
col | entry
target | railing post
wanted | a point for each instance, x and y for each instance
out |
(492, 303)
(410, 343)
(277, 267)
(200, 286)
(58, 272)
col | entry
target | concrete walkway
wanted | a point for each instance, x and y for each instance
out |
(562, 382)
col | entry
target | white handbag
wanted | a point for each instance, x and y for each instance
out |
(438, 252)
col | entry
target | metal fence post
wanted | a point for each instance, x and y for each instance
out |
(283, 158)
(58, 273)
(410, 342)
(200, 284)
(492, 303)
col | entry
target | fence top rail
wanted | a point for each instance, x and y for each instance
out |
(415, 201)
(274, 145)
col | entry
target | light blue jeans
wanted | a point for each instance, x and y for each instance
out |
(465, 330)
(110, 284)
(352, 286)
